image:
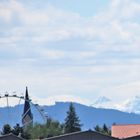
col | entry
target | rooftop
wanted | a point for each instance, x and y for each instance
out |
(122, 131)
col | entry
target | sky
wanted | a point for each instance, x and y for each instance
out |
(75, 50)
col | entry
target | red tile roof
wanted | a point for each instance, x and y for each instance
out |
(125, 131)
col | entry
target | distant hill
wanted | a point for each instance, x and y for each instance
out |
(89, 116)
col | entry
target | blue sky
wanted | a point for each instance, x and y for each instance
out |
(73, 50)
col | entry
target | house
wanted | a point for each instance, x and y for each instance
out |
(10, 137)
(85, 135)
(125, 131)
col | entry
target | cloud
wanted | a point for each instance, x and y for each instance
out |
(49, 25)
(61, 98)
(58, 51)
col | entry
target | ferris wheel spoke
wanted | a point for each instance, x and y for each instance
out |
(41, 111)
(7, 105)
(10, 117)
(18, 107)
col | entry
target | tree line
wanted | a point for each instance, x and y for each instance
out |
(52, 127)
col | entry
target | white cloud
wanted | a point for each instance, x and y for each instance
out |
(54, 24)
(52, 54)
(99, 60)
(61, 98)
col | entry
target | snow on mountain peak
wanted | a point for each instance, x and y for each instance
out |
(102, 99)
(130, 105)
(101, 102)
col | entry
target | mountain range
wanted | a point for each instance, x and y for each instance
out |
(89, 115)
(129, 105)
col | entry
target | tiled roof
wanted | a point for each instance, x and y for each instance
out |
(125, 131)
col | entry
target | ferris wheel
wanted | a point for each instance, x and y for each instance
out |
(15, 109)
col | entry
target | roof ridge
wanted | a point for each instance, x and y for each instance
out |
(73, 133)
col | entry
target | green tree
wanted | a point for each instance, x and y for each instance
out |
(18, 130)
(72, 122)
(104, 129)
(97, 128)
(6, 129)
(40, 131)
(54, 128)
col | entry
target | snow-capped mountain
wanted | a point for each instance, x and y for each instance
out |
(102, 102)
(130, 105)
